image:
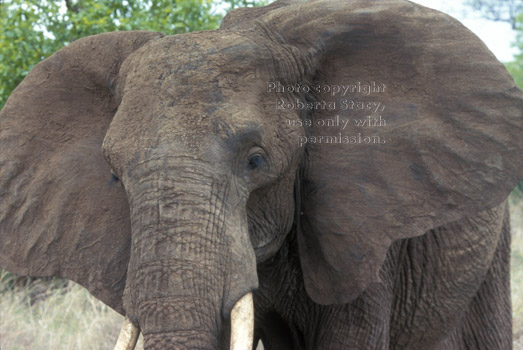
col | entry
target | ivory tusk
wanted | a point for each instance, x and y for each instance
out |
(242, 324)
(128, 336)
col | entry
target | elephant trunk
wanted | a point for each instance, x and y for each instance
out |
(191, 260)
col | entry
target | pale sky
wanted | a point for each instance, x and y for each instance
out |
(496, 35)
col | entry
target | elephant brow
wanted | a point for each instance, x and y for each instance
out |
(233, 140)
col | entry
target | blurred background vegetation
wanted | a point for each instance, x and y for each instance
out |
(31, 30)
(51, 313)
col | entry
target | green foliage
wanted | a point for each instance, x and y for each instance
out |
(31, 30)
(515, 67)
(20, 45)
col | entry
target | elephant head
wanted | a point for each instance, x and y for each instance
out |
(156, 171)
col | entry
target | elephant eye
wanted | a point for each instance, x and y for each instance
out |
(255, 161)
(114, 178)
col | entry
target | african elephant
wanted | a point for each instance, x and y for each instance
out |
(173, 176)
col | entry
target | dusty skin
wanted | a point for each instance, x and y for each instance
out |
(396, 245)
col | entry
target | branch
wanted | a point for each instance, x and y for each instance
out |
(71, 7)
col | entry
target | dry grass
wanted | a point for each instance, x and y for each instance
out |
(38, 317)
(58, 319)
(516, 270)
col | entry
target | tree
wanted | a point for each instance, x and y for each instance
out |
(31, 30)
(498, 10)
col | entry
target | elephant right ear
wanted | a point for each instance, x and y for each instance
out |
(429, 130)
(61, 213)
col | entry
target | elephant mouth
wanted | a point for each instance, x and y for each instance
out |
(242, 327)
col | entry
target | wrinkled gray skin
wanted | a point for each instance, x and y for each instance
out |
(397, 245)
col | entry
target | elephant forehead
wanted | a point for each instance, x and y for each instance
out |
(193, 79)
(197, 60)
(197, 74)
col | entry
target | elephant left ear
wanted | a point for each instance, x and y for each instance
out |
(61, 214)
(429, 130)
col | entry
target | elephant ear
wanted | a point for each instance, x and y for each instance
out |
(60, 213)
(445, 142)
(242, 18)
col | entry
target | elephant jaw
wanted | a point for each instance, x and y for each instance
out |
(242, 327)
